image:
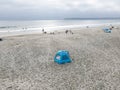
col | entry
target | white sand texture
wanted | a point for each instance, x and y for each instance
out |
(27, 61)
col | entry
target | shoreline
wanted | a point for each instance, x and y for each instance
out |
(51, 29)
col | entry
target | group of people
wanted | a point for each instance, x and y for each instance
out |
(44, 31)
(66, 31)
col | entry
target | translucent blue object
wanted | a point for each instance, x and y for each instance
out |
(62, 57)
(107, 30)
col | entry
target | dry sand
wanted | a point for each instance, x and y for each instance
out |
(26, 61)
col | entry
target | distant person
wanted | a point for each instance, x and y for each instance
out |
(43, 30)
(0, 39)
(66, 31)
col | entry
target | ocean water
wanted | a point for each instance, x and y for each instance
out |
(38, 25)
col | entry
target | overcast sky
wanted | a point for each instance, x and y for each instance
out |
(58, 9)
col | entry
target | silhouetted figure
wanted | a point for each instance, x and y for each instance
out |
(1, 39)
(43, 30)
(66, 31)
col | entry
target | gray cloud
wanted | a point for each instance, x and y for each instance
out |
(58, 9)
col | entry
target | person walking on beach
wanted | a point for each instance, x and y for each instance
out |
(43, 30)
(66, 31)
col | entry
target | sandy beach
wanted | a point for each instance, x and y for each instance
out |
(27, 61)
